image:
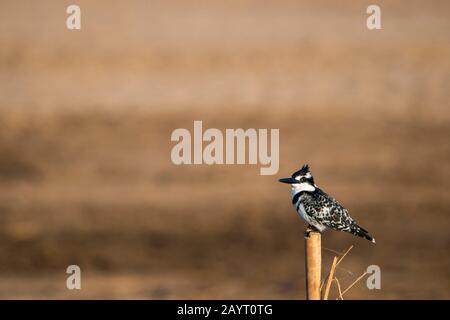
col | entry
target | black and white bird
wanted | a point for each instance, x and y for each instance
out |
(318, 209)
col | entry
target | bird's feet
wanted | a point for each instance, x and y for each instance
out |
(309, 230)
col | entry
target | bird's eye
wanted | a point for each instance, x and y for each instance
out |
(302, 179)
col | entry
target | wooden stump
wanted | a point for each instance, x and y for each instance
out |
(313, 264)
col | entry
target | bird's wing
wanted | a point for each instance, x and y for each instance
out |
(331, 213)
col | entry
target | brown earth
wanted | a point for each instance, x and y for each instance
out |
(85, 124)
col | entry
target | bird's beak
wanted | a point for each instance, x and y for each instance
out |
(288, 180)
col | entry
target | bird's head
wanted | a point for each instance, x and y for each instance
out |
(301, 180)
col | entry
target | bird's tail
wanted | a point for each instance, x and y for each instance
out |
(360, 232)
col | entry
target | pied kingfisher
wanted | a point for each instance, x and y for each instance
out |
(317, 208)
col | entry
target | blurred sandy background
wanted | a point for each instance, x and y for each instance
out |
(85, 124)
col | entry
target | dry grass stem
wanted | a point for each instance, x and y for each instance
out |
(339, 288)
(330, 278)
(354, 282)
(343, 256)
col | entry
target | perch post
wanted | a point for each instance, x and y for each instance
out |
(313, 263)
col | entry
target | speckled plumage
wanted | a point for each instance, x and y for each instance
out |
(318, 209)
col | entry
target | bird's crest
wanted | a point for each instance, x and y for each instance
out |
(303, 171)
